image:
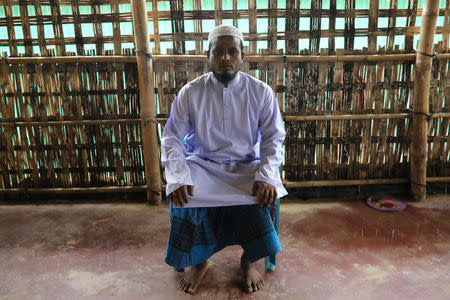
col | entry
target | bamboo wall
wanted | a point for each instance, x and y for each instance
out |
(76, 124)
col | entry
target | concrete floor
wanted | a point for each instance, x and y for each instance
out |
(337, 249)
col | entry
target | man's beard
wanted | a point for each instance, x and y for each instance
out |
(225, 77)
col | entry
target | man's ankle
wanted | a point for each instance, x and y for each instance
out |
(200, 265)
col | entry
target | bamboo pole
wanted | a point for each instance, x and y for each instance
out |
(421, 100)
(70, 59)
(75, 122)
(319, 183)
(202, 58)
(90, 190)
(147, 101)
(162, 120)
(360, 117)
(348, 117)
(143, 188)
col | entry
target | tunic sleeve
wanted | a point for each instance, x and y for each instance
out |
(172, 147)
(272, 137)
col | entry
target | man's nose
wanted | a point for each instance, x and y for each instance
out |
(226, 56)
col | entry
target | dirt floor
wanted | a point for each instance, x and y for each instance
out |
(332, 249)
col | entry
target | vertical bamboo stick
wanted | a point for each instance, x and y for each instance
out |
(373, 25)
(147, 101)
(252, 15)
(421, 101)
(40, 28)
(155, 18)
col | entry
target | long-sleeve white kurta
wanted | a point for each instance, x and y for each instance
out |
(221, 139)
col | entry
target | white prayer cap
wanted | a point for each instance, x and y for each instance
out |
(225, 29)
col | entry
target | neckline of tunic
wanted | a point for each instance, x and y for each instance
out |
(233, 83)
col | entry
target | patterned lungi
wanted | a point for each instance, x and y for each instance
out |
(199, 232)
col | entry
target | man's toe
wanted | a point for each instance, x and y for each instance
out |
(187, 287)
(259, 285)
(191, 290)
(254, 286)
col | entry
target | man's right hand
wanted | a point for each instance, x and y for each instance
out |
(179, 196)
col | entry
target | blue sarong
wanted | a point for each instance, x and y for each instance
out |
(199, 232)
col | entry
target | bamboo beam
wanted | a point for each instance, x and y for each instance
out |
(143, 188)
(348, 117)
(438, 179)
(360, 117)
(162, 120)
(90, 190)
(202, 58)
(421, 100)
(319, 183)
(75, 122)
(71, 59)
(147, 101)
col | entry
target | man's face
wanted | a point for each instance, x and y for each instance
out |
(225, 57)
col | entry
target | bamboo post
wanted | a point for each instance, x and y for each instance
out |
(202, 58)
(421, 100)
(147, 101)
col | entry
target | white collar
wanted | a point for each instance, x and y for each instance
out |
(234, 82)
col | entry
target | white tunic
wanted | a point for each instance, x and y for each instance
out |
(221, 139)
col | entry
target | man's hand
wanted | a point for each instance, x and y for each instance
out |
(179, 196)
(264, 192)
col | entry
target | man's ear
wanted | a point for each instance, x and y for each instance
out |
(207, 54)
(242, 55)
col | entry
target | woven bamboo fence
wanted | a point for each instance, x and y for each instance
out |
(343, 72)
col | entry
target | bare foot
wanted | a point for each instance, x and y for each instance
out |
(252, 278)
(192, 278)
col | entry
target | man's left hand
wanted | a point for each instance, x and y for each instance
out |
(264, 192)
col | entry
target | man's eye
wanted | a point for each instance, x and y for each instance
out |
(234, 52)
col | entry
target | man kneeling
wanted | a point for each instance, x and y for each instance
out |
(221, 149)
